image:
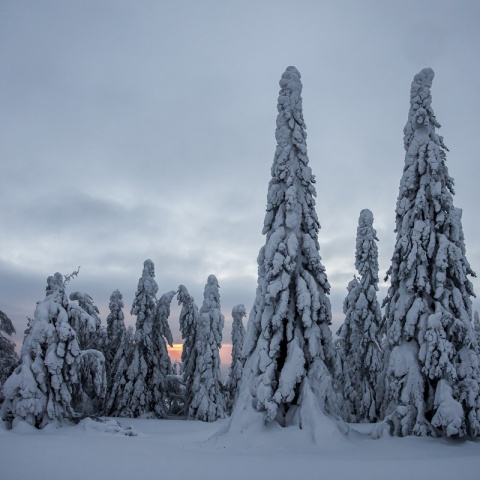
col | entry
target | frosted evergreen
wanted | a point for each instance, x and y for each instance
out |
(235, 371)
(86, 322)
(432, 379)
(288, 343)
(207, 401)
(145, 391)
(359, 336)
(40, 389)
(118, 352)
(8, 356)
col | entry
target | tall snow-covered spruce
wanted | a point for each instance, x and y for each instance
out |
(432, 379)
(359, 335)
(288, 343)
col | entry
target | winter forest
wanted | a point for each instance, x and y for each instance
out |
(404, 365)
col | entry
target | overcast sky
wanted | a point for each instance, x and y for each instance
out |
(145, 129)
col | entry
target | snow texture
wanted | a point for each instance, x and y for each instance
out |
(288, 330)
(359, 336)
(145, 391)
(432, 380)
(8, 356)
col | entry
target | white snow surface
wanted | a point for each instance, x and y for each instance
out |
(184, 449)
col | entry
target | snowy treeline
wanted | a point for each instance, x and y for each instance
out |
(414, 368)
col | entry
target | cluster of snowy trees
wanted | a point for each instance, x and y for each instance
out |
(413, 368)
(72, 366)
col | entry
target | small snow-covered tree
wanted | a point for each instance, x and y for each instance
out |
(235, 371)
(145, 392)
(359, 336)
(40, 389)
(8, 356)
(116, 330)
(189, 320)
(288, 343)
(432, 379)
(118, 376)
(207, 401)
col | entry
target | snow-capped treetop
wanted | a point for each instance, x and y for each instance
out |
(144, 303)
(211, 309)
(116, 318)
(366, 255)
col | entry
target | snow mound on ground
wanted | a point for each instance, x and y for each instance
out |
(106, 425)
(309, 426)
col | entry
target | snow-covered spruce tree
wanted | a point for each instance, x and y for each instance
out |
(288, 344)
(189, 320)
(234, 373)
(432, 379)
(207, 402)
(116, 351)
(40, 389)
(145, 392)
(8, 356)
(118, 376)
(359, 335)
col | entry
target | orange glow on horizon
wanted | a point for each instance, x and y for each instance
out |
(175, 353)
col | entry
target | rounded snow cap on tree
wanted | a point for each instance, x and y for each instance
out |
(291, 80)
(212, 280)
(366, 218)
(149, 268)
(424, 77)
(239, 310)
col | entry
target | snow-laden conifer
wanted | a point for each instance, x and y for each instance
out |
(359, 335)
(235, 371)
(288, 341)
(145, 391)
(189, 321)
(8, 356)
(432, 379)
(207, 401)
(117, 353)
(40, 389)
